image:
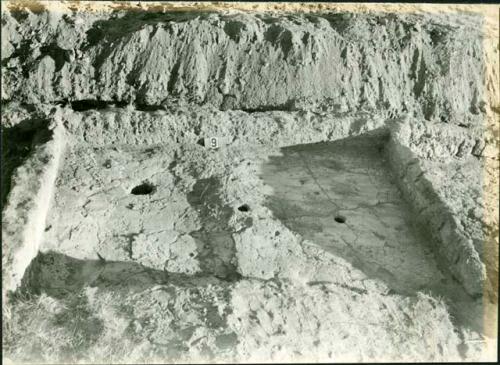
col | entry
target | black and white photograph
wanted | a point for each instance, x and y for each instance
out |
(249, 182)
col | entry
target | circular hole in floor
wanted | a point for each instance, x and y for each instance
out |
(244, 208)
(340, 219)
(142, 189)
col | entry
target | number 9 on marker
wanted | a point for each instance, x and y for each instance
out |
(213, 142)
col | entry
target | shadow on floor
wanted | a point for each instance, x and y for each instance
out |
(341, 196)
(58, 275)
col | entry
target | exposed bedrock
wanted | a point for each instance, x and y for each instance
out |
(338, 62)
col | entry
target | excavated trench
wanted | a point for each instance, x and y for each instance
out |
(122, 212)
(131, 218)
(245, 188)
(126, 218)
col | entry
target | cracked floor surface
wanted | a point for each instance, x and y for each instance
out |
(342, 196)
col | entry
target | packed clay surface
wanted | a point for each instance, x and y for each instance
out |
(249, 182)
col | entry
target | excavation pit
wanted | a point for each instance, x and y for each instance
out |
(244, 208)
(340, 219)
(142, 189)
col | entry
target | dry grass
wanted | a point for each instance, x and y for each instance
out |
(100, 326)
(425, 319)
(44, 329)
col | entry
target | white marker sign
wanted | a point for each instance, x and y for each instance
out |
(213, 143)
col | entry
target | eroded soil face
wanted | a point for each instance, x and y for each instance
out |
(248, 187)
